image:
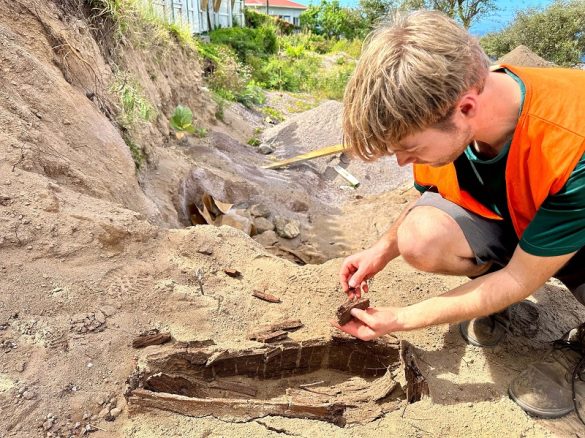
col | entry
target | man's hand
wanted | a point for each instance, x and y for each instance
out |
(360, 267)
(371, 323)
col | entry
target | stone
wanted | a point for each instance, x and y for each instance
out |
(299, 206)
(115, 412)
(259, 210)
(262, 225)
(288, 229)
(267, 238)
(265, 149)
(28, 395)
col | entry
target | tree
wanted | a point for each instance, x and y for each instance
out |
(464, 11)
(332, 20)
(555, 33)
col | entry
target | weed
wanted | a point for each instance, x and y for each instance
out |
(136, 151)
(273, 114)
(134, 106)
(182, 122)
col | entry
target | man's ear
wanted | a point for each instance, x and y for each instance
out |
(468, 104)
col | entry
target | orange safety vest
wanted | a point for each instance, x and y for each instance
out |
(548, 142)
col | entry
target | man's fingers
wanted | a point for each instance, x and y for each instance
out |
(347, 269)
(363, 316)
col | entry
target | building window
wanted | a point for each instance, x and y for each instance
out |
(287, 18)
(296, 21)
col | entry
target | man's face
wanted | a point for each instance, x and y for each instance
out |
(433, 146)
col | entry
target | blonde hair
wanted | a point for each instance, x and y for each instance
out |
(410, 75)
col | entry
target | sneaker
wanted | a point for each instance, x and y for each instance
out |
(554, 386)
(488, 331)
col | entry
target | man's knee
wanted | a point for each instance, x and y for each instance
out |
(425, 238)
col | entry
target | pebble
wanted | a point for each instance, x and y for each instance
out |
(28, 395)
(103, 413)
(115, 412)
(89, 365)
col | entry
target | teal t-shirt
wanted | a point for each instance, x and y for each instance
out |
(559, 224)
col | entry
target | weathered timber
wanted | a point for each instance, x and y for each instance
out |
(151, 337)
(235, 408)
(234, 273)
(266, 297)
(239, 388)
(265, 331)
(416, 384)
(269, 336)
(343, 311)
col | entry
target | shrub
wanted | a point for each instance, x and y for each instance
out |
(555, 33)
(246, 41)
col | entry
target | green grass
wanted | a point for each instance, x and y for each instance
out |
(134, 106)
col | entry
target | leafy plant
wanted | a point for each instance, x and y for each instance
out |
(134, 106)
(182, 121)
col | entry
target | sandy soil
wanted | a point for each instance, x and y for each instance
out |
(92, 254)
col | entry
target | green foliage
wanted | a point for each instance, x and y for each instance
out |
(251, 95)
(134, 106)
(182, 120)
(255, 139)
(138, 155)
(273, 114)
(556, 33)
(246, 41)
(255, 19)
(333, 21)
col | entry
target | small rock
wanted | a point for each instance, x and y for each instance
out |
(262, 224)
(115, 412)
(288, 229)
(48, 424)
(104, 413)
(29, 395)
(265, 149)
(299, 206)
(89, 365)
(267, 238)
(259, 210)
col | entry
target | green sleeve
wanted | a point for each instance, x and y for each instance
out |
(559, 225)
(420, 188)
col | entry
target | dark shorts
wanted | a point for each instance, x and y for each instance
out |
(492, 240)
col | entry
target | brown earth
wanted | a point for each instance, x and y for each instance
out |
(93, 254)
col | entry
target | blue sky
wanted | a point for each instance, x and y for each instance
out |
(495, 22)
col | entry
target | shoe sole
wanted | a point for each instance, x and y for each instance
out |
(535, 412)
(464, 334)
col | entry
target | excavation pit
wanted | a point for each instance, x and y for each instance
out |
(340, 380)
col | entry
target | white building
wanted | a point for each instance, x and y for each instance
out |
(285, 9)
(200, 15)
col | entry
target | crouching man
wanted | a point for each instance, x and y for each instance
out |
(498, 155)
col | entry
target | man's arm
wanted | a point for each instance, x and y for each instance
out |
(357, 268)
(480, 297)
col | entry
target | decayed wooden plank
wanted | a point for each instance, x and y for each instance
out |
(275, 332)
(266, 297)
(151, 337)
(235, 408)
(416, 384)
(343, 311)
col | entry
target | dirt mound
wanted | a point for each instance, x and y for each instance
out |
(321, 127)
(525, 57)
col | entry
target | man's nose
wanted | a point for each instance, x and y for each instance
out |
(403, 159)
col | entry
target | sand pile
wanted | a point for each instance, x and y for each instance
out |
(522, 55)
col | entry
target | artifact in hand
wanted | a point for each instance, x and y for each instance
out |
(343, 311)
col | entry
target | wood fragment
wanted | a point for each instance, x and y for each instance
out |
(239, 388)
(343, 311)
(234, 273)
(266, 337)
(151, 337)
(247, 409)
(416, 384)
(266, 297)
(288, 326)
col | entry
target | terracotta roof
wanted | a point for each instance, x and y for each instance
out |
(275, 4)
